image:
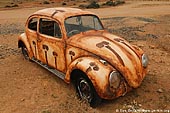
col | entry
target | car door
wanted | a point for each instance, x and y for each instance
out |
(51, 44)
(31, 32)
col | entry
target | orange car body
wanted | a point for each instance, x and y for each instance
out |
(97, 53)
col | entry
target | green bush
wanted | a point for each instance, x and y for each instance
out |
(46, 2)
(64, 3)
(9, 6)
(15, 5)
(109, 3)
(119, 2)
(94, 5)
(114, 3)
(83, 6)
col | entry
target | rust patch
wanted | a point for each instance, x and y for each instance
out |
(72, 54)
(118, 40)
(123, 49)
(94, 66)
(56, 11)
(88, 69)
(131, 49)
(102, 44)
(35, 48)
(45, 47)
(129, 55)
(79, 60)
(122, 41)
(106, 45)
(55, 57)
(120, 59)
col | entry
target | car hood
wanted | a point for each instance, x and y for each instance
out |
(115, 50)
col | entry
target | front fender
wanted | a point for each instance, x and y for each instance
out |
(22, 39)
(96, 71)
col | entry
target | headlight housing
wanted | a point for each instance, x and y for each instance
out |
(144, 60)
(114, 79)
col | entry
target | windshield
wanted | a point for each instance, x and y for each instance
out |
(82, 23)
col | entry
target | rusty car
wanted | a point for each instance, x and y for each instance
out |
(74, 45)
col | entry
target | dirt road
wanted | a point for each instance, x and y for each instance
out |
(27, 88)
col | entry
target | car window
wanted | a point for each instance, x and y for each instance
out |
(33, 24)
(82, 23)
(50, 28)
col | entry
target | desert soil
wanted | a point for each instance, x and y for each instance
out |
(25, 87)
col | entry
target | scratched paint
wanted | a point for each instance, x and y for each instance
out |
(106, 45)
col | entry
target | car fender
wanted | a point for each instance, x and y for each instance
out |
(95, 70)
(22, 39)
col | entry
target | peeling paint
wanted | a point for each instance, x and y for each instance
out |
(97, 53)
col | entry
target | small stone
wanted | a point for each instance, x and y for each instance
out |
(160, 91)
(167, 36)
(140, 105)
(22, 99)
(152, 46)
(140, 45)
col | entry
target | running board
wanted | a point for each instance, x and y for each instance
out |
(52, 70)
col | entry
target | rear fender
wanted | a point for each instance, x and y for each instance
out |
(22, 39)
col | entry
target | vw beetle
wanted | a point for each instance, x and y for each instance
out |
(73, 44)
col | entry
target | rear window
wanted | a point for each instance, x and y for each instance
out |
(33, 24)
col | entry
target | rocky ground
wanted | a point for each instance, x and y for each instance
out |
(27, 88)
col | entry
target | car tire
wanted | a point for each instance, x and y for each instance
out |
(86, 91)
(25, 52)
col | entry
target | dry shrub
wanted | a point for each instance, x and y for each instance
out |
(46, 2)
(115, 3)
(64, 3)
(10, 6)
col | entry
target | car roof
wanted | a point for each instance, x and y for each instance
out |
(61, 13)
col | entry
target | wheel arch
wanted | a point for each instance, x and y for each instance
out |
(73, 74)
(21, 44)
(97, 74)
(23, 41)
(78, 75)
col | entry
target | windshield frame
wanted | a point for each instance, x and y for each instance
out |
(85, 28)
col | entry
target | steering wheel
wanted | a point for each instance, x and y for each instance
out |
(72, 32)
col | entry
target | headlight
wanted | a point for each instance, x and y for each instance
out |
(144, 60)
(114, 79)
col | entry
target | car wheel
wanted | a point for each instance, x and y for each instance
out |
(25, 52)
(87, 92)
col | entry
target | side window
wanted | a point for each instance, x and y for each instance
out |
(49, 27)
(33, 24)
